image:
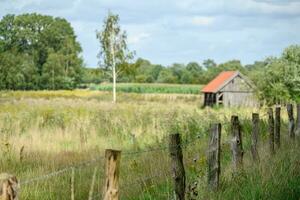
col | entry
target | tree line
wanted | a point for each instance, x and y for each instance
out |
(41, 52)
(277, 79)
(143, 71)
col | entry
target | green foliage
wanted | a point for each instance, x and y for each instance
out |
(114, 51)
(93, 75)
(150, 88)
(277, 177)
(17, 71)
(40, 45)
(192, 73)
(278, 79)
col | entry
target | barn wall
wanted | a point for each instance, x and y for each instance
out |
(239, 99)
(238, 93)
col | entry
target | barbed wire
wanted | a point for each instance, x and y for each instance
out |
(143, 180)
(60, 171)
(137, 181)
(183, 145)
(129, 153)
(86, 163)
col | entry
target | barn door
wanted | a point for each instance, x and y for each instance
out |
(220, 99)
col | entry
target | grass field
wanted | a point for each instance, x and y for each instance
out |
(45, 131)
(150, 88)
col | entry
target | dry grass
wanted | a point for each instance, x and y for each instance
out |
(56, 129)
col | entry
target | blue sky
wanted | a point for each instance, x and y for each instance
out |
(168, 31)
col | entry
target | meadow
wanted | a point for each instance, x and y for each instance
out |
(48, 131)
(156, 88)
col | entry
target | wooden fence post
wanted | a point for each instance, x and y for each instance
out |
(271, 130)
(255, 134)
(291, 127)
(177, 166)
(213, 158)
(236, 143)
(298, 120)
(277, 127)
(9, 187)
(112, 170)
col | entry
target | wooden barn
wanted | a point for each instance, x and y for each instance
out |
(229, 88)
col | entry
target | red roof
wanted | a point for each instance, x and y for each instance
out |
(219, 81)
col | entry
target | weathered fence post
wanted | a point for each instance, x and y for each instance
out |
(112, 170)
(9, 187)
(291, 127)
(177, 166)
(236, 143)
(298, 120)
(271, 130)
(255, 134)
(277, 127)
(213, 158)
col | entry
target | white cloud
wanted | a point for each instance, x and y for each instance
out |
(202, 21)
(137, 38)
(179, 30)
(240, 7)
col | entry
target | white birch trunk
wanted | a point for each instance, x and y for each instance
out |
(114, 84)
(113, 68)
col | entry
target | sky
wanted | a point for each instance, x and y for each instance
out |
(179, 31)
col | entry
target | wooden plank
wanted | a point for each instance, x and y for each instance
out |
(112, 170)
(291, 126)
(277, 127)
(213, 157)
(236, 143)
(255, 135)
(178, 170)
(9, 187)
(271, 130)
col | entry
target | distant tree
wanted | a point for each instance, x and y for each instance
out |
(209, 63)
(177, 70)
(17, 71)
(197, 72)
(186, 77)
(278, 81)
(35, 37)
(291, 56)
(256, 66)
(193, 66)
(93, 75)
(167, 76)
(114, 51)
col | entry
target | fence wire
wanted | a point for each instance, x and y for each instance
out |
(59, 172)
(130, 154)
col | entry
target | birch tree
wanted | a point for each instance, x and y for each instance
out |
(114, 53)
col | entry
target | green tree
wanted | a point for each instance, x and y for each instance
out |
(278, 79)
(291, 56)
(17, 71)
(197, 72)
(114, 52)
(166, 76)
(37, 36)
(209, 63)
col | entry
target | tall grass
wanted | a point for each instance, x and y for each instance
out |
(150, 88)
(42, 132)
(276, 177)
